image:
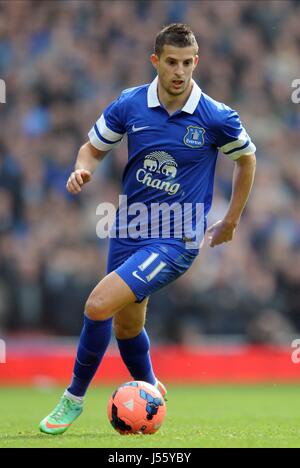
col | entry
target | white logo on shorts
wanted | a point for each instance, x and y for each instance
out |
(153, 256)
(138, 277)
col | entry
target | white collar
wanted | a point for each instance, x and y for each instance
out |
(190, 105)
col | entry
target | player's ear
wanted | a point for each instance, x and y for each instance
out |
(154, 60)
(196, 60)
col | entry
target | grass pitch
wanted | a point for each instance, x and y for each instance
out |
(214, 416)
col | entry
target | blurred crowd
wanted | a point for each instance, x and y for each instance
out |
(62, 62)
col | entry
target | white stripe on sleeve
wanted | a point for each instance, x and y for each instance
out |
(250, 149)
(242, 145)
(99, 144)
(105, 132)
(240, 141)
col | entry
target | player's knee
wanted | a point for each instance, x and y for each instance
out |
(97, 308)
(125, 332)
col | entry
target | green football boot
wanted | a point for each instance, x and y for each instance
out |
(61, 417)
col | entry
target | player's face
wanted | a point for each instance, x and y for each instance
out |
(175, 68)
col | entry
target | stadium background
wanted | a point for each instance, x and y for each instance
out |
(237, 310)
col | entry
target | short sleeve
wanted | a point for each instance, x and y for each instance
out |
(232, 138)
(108, 131)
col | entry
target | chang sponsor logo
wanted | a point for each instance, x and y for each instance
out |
(162, 163)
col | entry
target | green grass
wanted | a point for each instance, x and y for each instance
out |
(214, 416)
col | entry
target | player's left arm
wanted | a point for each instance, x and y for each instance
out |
(243, 177)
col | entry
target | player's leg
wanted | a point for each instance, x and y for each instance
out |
(107, 298)
(134, 343)
(130, 321)
(146, 271)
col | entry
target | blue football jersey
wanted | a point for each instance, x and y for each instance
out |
(171, 158)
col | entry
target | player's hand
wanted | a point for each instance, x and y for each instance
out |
(77, 179)
(221, 231)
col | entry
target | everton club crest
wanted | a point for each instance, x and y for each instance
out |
(194, 138)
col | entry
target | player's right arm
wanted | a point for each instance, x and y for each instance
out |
(106, 134)
(87, 160)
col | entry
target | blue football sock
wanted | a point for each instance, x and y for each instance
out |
(93, 342)
(136, 356)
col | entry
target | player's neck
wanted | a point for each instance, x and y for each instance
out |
(170, 102)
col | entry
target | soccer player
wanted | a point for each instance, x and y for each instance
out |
(174, 133)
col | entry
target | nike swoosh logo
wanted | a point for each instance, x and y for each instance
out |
(138, 277)
(56, 426)
(138, 129)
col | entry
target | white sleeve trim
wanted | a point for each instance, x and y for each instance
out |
(250, 149)
(99, 144)
(240, 141)
(106, 132)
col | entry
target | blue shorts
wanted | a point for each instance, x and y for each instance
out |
(146, 269)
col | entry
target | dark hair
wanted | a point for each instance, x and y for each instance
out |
(176, 34)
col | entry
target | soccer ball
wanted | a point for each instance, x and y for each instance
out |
(136, 408)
